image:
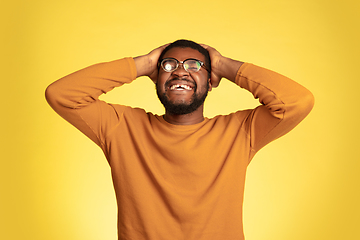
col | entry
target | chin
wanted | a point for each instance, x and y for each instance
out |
(181, 107)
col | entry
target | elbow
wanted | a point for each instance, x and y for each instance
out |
(53, 96)
(50, 94)
(303, 105)
(308, 101)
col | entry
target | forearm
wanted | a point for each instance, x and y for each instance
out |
(228, 68)
(143, 66)
(277, 92)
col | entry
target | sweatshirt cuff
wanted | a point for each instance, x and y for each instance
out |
(239, 73)
(132, 67)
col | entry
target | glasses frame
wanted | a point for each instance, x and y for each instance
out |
(182, 62)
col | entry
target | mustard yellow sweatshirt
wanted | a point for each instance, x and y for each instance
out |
(178, 182)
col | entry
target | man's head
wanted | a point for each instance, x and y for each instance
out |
(183, 90)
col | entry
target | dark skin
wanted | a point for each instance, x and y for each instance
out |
(222, 67)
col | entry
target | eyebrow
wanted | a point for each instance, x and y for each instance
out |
(182, 61)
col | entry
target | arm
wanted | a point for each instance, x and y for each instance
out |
(75, 97)
(285, 103)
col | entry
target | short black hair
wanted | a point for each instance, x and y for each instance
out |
(183, 43)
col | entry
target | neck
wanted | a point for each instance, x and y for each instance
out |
(186, 119)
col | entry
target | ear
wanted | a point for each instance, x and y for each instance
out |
(154, 78)
(210, 85)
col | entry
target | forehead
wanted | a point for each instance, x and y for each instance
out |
(184, 53)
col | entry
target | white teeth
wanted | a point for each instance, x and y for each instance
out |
(183, 86)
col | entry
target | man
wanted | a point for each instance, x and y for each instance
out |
(180, 175)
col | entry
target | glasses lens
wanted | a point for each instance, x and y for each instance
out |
(169, 65)
(192, 65)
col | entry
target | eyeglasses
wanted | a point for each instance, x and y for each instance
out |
(190, 65)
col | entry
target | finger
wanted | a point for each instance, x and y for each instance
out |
(207, 47)
(164, 46)
(159, 50)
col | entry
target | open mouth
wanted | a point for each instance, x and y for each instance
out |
(180, 87)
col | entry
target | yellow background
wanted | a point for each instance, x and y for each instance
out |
(56, 184)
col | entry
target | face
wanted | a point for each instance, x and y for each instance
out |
(179, 91)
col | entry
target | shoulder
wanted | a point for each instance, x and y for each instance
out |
(133, 113)
(240, 116)
(234, 122)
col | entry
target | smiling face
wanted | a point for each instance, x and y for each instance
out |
(179, 91)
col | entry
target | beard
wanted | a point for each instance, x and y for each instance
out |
(181, 108)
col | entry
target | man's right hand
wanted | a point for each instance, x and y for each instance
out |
(146, 65)
(221, 66)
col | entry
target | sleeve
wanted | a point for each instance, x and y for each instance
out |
(75, 97)
(285, 104)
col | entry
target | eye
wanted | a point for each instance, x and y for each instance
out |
(169, 65)
(192, 65)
